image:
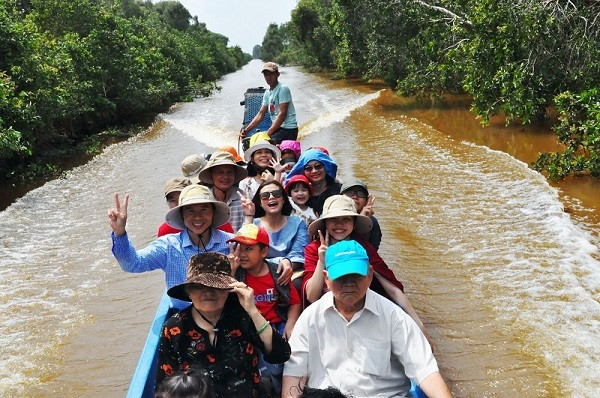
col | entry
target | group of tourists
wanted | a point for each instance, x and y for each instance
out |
(272, 267)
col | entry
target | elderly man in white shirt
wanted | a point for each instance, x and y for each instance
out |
(356, 340)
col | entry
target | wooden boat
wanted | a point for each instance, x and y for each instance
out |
(144, 376)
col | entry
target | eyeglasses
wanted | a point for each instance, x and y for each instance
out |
(316, 167)
(278, 193)
(358, 192)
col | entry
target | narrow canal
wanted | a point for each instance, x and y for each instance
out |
(502, 267)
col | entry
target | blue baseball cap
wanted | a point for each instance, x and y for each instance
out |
(346, 257)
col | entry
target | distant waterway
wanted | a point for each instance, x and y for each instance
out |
(502, 266)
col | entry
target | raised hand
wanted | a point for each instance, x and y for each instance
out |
(368, 209)
(247, 204)
(118, 215)
(245, 295)
(278, 167)
(234, 257)
(324, 245)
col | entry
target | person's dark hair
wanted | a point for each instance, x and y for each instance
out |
(191, 383)
(286, 210)
(254, 170)
(329, 392)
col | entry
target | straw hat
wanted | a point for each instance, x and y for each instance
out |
(191, 166)
(207, 269)
(340, 206)
(221, 158)
(259, 141)
(196, 194)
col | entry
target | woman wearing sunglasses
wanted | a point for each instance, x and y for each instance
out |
(270, 208)
(321, 171)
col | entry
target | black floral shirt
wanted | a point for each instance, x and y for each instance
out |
(231, 364)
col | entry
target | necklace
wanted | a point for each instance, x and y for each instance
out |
(214, 326)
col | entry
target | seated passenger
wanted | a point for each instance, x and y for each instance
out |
(340, 222)
(321, 172)
(197, 215)
(173, 188)
(270, 208)
(261, 156)
(223, 174)
(279, 304)
(357, 340)
(192, 382)
(357, 190)
(299, 190)
(220, 333)
(290, 152)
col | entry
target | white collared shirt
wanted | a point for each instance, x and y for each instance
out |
(372, 355)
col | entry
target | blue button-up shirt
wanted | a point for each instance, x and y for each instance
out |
(170, 253)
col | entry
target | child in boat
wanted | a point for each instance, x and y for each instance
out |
(279, 304)
(290, 152)
(192, 382)
(173, 188)
(339, 222)
(357, 190)
(299, 190)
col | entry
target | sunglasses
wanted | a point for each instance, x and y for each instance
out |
(316, 167)
(358, 192)
(275, 194)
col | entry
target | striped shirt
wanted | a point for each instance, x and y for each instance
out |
(170, 253)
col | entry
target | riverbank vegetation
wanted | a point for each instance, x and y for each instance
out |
(518, 58)
(70, 69)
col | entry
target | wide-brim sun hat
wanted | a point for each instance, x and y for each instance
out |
(176, 184)
(209, 269)
(197, 194)
(340, 206)
(221, 158)
(260, 141)
(191, 166)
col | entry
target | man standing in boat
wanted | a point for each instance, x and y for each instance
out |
(277, 101)
(356, 340)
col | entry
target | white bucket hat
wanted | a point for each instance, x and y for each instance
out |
(340, 206)
(195, 194)
(260, 141)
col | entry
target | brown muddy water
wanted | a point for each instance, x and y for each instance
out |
(505, 279)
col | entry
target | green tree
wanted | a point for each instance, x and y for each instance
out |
(272, 45)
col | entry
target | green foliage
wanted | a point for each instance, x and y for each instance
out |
(272, 45)
(68, 69)
(512, 57)
(579, 132)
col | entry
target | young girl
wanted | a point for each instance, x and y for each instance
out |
(299, 189)
(290, 152)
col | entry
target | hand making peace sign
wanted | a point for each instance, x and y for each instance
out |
(368, 209)
(118, 215)
(247, 204)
